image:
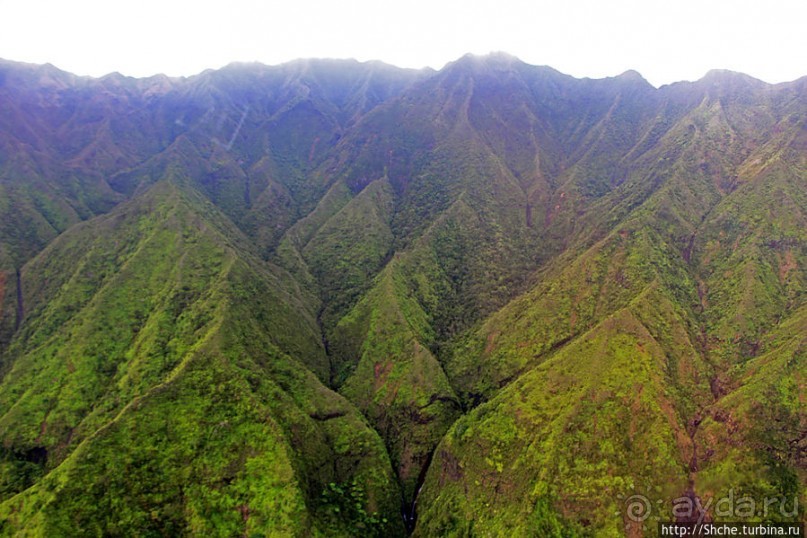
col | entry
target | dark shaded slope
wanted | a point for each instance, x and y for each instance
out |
(262, 132)
(73, 147)
(61, 138)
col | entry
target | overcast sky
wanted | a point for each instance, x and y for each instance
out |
(665, 41)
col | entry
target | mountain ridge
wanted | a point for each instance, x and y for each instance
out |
(500, 56)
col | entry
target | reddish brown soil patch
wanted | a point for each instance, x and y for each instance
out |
(244, 509)
(787, 265)
(450, 469)
(491, 341)
(380, 372)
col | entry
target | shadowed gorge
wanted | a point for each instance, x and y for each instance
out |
(333, 298)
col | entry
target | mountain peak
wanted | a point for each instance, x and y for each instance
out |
(491, 59)
(632, 79)
(726, 77)
(40, 75)
(633, 75)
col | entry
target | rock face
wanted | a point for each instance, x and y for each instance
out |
(340, 298)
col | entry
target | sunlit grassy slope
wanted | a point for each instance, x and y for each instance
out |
(164, 381)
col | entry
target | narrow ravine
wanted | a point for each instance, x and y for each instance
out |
(690, 492)
(20, 307)
(410, 512)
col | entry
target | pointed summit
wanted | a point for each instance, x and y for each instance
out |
(633, 79)
(730, 79)
(632, 75)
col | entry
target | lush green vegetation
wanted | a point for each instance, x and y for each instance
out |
(342, 299)
(180, 408)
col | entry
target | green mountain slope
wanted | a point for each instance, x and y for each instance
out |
(397, 382)
(178, 395)
(557, 447)
(340, 298)
(662, 262)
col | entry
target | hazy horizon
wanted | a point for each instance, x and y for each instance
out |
(665, 43)
(256, 62)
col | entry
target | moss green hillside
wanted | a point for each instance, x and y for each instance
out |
(561, 446)
(395, 378)
(196, 406)
(751, 442)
